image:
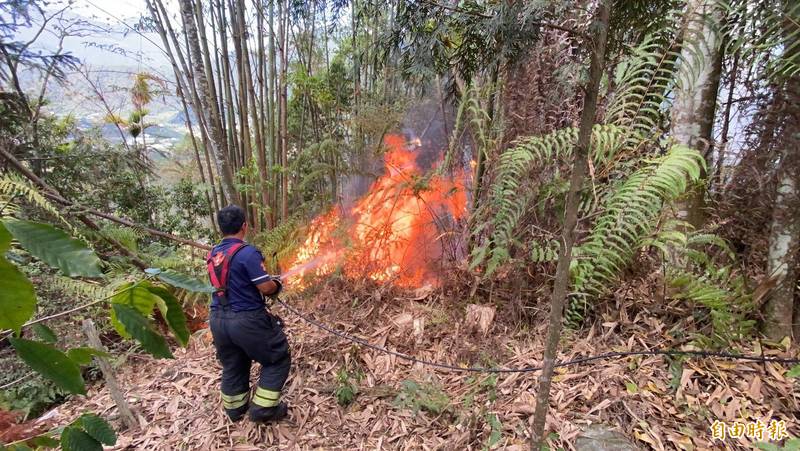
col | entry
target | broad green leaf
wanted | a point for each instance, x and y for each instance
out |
(179, 280)
(139, 327)
(98, 428)
(17, 298)
(74, 439)
(19, 447)
(45, 333)
(83, 355)
(56, 248)
(44, 441)
(118, 325)
(50, 363)
(133, 295)
(794, 371)
(138, 297)
(172, 311)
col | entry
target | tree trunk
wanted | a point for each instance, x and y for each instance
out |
(784, 240)
(696, 95)
(579, 166)
(209, 105)
(273, 135)
(283, 37)
(783, 244)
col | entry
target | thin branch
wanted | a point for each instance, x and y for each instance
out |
(67, 312)
(17, 381)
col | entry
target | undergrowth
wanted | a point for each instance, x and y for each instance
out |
(346, 388)
(425, 396)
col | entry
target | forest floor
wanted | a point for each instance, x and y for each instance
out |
(178, 405)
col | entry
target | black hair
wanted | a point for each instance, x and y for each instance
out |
(230, 219)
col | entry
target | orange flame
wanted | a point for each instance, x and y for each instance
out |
(391, 233)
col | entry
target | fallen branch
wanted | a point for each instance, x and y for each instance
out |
(53, 194)
(17, 381)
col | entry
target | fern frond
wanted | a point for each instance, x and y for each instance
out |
(629, 217)
(80, 288)
(506, 206)
(15, 187)
(726, 297)
(279, 243)
(126, 236)
(644, 81)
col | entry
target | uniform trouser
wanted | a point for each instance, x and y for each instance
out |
(241, 338)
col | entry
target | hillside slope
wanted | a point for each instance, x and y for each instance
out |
(179, 408)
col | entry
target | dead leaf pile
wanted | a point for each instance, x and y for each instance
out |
(660, 404)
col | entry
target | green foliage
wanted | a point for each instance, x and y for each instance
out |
(487, 385)
(496, 433)
(87, 433)
(183, 281)
(127, 236)
(55, 248)
(505, 207)
(75, 439)
(98, 428)
(50, 363)
(470, 40)
(792, 444)
(80, 288)
(723, 294)
(44, 333)
(31, 397)
(83, 355)
(35, 443)
(544, 252)
(278, 244)
(135, 296)
(765, 36)
(346, 386)
(644, 81)
(422, 396)
(794, 371)
(172, 311)
(629, 215)
(701, 279)
(14, 187)
(17, 298)
(140, 328)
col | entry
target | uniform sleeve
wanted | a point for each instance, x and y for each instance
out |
(254, 264)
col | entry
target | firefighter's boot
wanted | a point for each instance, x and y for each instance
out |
(260, 414)
(237, 413)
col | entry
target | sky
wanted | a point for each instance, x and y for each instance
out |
(114, 43)
(106, 9)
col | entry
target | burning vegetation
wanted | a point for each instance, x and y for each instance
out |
(393, 233)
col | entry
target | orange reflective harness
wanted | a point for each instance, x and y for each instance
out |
(218, 268)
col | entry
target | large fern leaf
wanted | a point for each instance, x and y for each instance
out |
(507, 206)
(630, 216)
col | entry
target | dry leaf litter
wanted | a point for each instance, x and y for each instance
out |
(178, 405)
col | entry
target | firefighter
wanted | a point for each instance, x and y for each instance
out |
(243, 329)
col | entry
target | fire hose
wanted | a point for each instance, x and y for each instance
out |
(472, 369)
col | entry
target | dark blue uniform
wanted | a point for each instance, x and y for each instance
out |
(244, 331)
(246, 271)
